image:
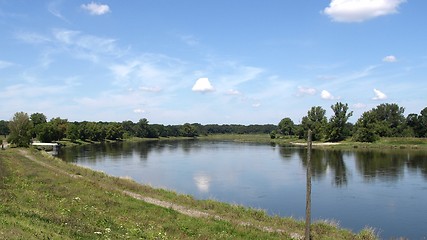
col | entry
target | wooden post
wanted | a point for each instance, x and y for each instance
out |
(308, 193)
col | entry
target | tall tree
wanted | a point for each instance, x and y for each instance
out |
(316, 122)
(337, 128)
(72, 132)
(39, 123)
(38, 118)
(390, 120)
(20, 130)
(141, 128)
(286, 126)
(366, 128)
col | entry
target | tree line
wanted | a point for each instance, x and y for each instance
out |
(385, 120)
(24, 128)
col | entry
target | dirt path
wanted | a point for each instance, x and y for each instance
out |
(181, 209)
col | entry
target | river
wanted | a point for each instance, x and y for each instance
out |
(382, 189)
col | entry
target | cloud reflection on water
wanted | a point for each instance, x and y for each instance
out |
(202, 181)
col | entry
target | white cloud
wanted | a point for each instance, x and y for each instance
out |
(360, 10)
(359, 105)
(233, 92)
(203, 85)
(256, 105)
(390, 58)
(138, 110)
(379, 95)
(306, 91)
(96, 8)
(327, 95)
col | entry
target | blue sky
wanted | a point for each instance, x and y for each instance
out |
(219, 61)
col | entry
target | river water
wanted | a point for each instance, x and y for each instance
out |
(382, 189)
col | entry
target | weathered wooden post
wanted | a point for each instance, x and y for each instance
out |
(308, 193)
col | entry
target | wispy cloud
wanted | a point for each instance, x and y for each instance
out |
(87, 46)
(139, 110)
(96, 8)
(306, 91)
(53, 8)
(235, 74)
(32, 38)
(26, 91)
(189, 40)
(88, 42)
(360, 10)
(74, 43)
(359, 105)
(379, 95)
(5, 64)
(232, 92)
(157, 70)
(256, 105)
(150, 89)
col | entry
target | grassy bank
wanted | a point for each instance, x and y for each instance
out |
(383, 143)
(45, 198)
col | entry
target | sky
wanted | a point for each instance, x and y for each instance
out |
(212, 61)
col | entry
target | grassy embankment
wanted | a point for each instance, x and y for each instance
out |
(45, 198)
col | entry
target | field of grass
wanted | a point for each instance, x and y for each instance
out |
(45, 198)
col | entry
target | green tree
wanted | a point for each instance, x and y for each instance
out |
(38, 118)
(128, 128)
(72, 132)
(337, 129)
(189, 130)
(20, 130)
(59, 128)
(422, 121)
(286, 127)
(4, 128)
(141, 128)
(390, 120)
(114, 131)
(316, 121)
(366, 128)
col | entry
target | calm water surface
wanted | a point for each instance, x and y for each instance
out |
(386, 190)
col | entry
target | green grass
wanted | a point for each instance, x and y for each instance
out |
(45, 198)
(383, 143)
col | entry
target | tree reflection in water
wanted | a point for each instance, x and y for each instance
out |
(321, 161)
(382, 165)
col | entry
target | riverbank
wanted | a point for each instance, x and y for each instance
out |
(44, 197)
(383, 143)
